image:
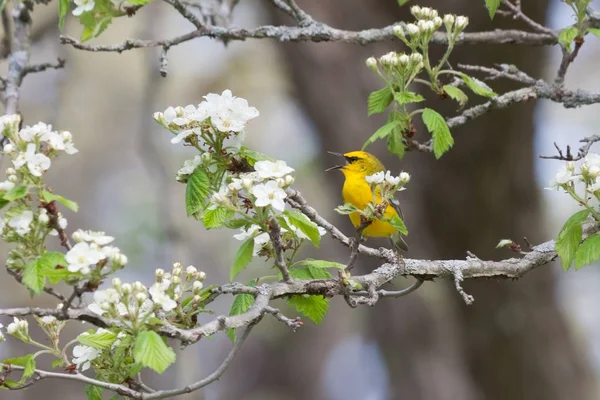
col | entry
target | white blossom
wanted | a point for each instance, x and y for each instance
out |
(58, 141)
(404, 177)
(161, 298)
(38, 163)
(594, 187)
(227, 112)
(189, 166)
(18, 325)
(8, 148)
(95, 237)
(30, 133)
(246, 233)
(7, 185)
(412, 29)
(260, 241)
(392, 180)
(82, 256)
(83, 6)
(269, 169)
(563, 176)
(103, 299)
(449, 21)
(48, 320)
(269, 194)
(22, 223)
(84, 355)
(376, 178)
(461, 22)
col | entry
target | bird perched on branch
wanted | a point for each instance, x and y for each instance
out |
(357, 191)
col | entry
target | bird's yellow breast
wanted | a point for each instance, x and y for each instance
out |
(357, 192)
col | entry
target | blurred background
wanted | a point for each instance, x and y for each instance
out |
(536, 338)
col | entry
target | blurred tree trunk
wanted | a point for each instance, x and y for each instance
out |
(513, 342)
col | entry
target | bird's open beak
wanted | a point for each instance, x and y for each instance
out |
(335, 166)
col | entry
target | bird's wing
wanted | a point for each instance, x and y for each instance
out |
(396, 205)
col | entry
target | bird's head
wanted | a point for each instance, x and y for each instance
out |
(358, 163)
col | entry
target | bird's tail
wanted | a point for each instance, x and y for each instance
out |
(398, 242)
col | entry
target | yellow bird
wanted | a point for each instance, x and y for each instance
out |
(357, 191)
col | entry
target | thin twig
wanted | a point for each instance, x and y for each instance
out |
(517, 13)
(583, 150)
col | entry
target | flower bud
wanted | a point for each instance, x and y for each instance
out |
(437, 22)
(403, 59)
(159, 273)
(117, 283)
(371, 63)
(167, 276)
(48, 320)
(398, 31)
(12, 178)
(416, 11)
(289, 179)
(197, 299)
(594, 171)
(412, 29)
(416, 58)
(433, 13)
(177, 270)
(461, 22)
(430, 26)
(191, 270)
(247, 183)
(8, 148)
(77, 236)
(66, 135)
(141, 297)
(176, 279)
(138, 287)
(126, 288)
(206, 157)
(197, 286)
(201, 276)
(425, 12)
(404, 177)
(43, 218)
(449, 21)
(120, 259)
(10, 171)
(62, 223)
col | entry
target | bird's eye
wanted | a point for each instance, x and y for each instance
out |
(362, 168)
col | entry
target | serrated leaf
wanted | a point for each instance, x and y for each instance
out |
(305, 225)
(236, 223)
(93, 392)
(98, 340)
(456, 94)
(381, 133)
(440, 133)
(477, 86)
(57, 363)
(216, 218)
(16, 193)
(242, 258)
(63, 9)
(569, 238)
(26, 361)
(395, 144)
(588, 252)
(197, 191)
(49, 263)
(313, 307)
(48, 197)
(567, 35)
(492, 6)
(96, 28)
(594, 31)
(309, 273)
(33, 277)
(152, 352)
(252, 156)
(320, 264)
(241, 304)
(379, 100)
(397, 223)
(403, 98)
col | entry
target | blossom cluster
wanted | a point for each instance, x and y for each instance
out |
(428, 21)
(218, 118)
(31, 148)
(265, 187)
(92, 249)
(19, 328)
(587, 173)
(134, 303)
(84, 355)
(387, 184)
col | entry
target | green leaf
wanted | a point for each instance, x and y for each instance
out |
(379, 100)
(240, 305)
(313, 307)
(139, 2)
(197, 191)
(594, 31)
(49, 197)
(492, 6)
(588, 252)
(93, 392)
(569, 238)
(477, 86)
(346, 209)
(63, 9)
(57, 363)
(309, 273)
(567, 35)
(305, 225)
(216, 218)
(381, 132)
(49, 263)
(402, 2)
(252, 156)
(403, 98)
(98, 340)
(442, 138)
(395, 144)
(152, 352)
(16, 193)
(33, 277)
(236, 223)
(242, 258)
(456, 94)
(397, 223)
(26, 361)
(320, 264)
(3, 203)
(94, 30)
